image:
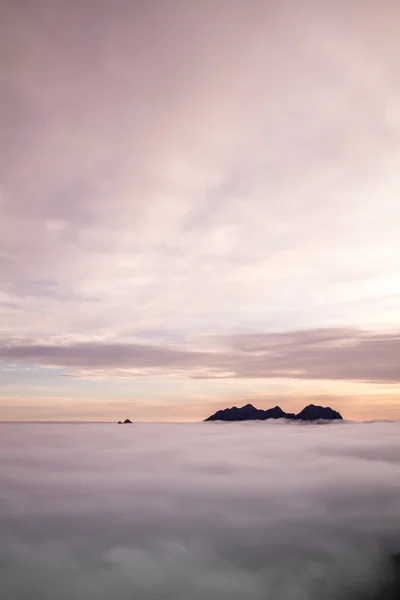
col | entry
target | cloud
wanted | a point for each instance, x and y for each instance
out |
(324, 354)
(198, 168)
(330, 354)
(188, 169)
(200, 510)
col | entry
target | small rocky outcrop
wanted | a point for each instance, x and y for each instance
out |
(123, 422)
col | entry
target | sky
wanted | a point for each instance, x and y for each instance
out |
(199, 207)
(217, 511)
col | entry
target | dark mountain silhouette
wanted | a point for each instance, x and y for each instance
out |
(247, 413)
(313, 413)
(126, 421)
(250, 413)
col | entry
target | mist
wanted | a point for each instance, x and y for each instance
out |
(193, 511)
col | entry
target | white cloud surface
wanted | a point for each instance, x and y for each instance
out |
(256, 510)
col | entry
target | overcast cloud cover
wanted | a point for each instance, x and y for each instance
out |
(175, 175)
(211, 510)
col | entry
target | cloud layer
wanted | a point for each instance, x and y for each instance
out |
(205, 510)
(344, 354)
(194, 168)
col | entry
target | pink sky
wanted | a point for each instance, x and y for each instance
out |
(199, 207)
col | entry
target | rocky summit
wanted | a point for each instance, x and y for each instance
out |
(315, 413)
(250, 413)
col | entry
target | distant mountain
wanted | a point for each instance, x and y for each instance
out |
(314, 413)
(250, 413)
(126, 421)
(247, 413)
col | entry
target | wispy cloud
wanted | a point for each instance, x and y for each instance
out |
(344, 354)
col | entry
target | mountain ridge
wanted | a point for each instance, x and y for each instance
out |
(248, 412)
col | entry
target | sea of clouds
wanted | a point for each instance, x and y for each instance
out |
(269, 510)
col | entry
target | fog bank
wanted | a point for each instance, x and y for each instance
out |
(192, 511)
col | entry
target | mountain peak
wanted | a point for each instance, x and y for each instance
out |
(315, 413)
